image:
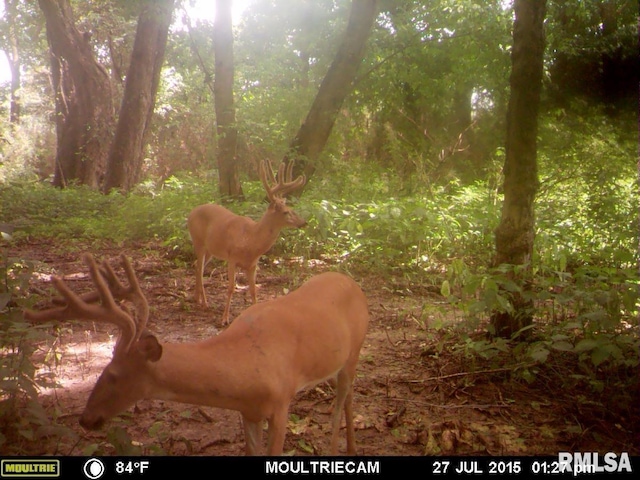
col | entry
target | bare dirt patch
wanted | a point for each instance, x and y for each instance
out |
(414, 395)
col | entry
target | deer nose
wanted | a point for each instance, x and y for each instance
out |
(91, 423)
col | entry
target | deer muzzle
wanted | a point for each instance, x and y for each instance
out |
(91, 423)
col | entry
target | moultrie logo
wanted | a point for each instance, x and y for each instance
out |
(30, 468)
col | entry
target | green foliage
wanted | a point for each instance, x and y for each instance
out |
(35, 209)
(587, 205)
(594, 49)
(22, 417)
(412, 234)
(591, 313)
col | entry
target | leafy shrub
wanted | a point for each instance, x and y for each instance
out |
(591, 314)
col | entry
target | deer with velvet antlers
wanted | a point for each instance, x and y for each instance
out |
(217, 232)
(269, 352)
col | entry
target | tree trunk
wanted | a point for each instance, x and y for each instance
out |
(127, 150)
(336, 85)
(227, 133)
(13, 57)
(84, 109)
(515, 233)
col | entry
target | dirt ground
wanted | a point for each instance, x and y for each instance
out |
(414, 394)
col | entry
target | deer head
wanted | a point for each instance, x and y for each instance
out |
(134, 348)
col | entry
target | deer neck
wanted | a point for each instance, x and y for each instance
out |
(179, 375)
(266, 232)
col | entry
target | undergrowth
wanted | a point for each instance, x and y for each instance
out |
(23, 420)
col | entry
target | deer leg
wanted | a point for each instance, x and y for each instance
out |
(231, 273)
(201, 262)
(251, 273)
(343, 401)
(252, 437)
(277, 431)
(348, 414)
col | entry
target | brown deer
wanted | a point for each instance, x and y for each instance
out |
(220, 233)
(269, 352)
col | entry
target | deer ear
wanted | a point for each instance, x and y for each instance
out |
(149, 346)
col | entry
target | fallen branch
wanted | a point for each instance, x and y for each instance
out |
(464, 374)
(435, 405)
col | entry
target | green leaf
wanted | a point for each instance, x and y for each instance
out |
(528, 375)
(539, 355)
(445, 290)
(599, 355)
(90, 449)
(304, 446)
(562, 346)
(585, 345)
(510, 286)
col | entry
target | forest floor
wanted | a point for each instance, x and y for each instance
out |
(414, 393)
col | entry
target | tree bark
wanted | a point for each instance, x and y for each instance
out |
(312, 136)
(515, 233)
(226, 130)
(84, 110)
(141, 85)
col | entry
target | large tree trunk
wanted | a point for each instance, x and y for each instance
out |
(515, 233)
(227, 133)
(84, 109)
(336, 85)
(127, 150)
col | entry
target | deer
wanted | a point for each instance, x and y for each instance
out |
(255, 366)
(240, 241)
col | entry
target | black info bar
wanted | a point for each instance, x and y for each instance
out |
(94, 468)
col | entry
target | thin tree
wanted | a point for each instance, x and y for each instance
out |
(12, 50)
(226, 130)
(83, 98)
(515, 233)
(141, 85)
(312, 136)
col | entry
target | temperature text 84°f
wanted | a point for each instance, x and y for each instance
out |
(138, 467)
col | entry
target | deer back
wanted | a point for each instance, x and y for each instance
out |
(322, 324)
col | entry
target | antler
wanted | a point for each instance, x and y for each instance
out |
(133, 292)
(84, 308)
(284, 184)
